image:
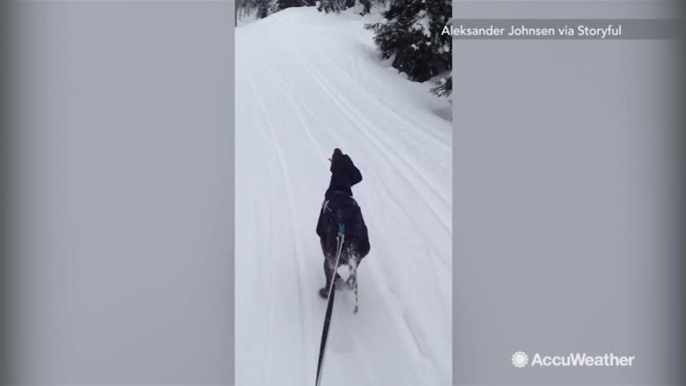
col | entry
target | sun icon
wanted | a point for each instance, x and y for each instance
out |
(520, 359)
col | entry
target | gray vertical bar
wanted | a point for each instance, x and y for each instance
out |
(120, 193)
(4, 128)
(566, 233)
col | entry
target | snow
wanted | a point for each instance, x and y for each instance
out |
(422, 23)
(306, 83)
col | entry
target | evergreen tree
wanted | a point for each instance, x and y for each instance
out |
(445, 88)
(273, 7)
(284, 4)
(331, 6)
(340, 5)
(263, 9)
(367, 4)
(410, 34)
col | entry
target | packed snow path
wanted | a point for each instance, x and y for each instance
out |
(305, 84)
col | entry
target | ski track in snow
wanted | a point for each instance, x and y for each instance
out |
(307, 83)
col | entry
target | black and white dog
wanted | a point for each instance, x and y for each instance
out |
(340, 214)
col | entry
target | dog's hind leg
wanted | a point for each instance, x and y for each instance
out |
(352, 280)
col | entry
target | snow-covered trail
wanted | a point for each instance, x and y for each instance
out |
(305, 84)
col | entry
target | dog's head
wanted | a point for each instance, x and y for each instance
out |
(337, 153)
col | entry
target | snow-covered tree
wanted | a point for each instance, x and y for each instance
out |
(367, 5)
(263, 8)
(335, 6)
(284, 4)
(445, 88)
(410, 34)
(340, 5)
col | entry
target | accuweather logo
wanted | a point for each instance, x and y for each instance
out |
(520, 360)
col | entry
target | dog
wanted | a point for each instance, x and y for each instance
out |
(340, 219)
